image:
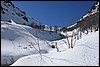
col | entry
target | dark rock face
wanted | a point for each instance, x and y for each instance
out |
(89, 21)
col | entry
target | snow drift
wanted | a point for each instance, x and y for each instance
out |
(84, 53)
(20, 40)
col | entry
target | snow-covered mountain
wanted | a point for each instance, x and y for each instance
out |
(9, 11)
(91, 18)
(94, 9)
(26, 45)
(18, 38)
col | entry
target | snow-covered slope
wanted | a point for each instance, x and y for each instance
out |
(25, 42)
(84, 53)
(89, 15)
(19, 40)
(9, 11)
(94, 9)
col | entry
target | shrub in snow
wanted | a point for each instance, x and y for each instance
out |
(52, 46)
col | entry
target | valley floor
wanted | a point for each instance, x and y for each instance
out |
(84, 53)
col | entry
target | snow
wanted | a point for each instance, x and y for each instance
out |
(20, 40)
(72, 25)
(93, 11)
(16, 14)
(20, 44)
(84, 53)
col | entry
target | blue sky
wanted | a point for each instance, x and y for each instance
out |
(55, 13)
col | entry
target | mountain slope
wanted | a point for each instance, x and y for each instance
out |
(89, 21)
(10, 12)
(84, 53)
(19, 40)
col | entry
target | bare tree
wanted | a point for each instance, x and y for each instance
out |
(72, 40)
(68, 40)
(56, 47)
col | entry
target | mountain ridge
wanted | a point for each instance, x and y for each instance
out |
(90, 19)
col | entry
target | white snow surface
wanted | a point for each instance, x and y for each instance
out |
(20, 40)
(72, 25)
(16, 14)
(19, 44)
(84, 53)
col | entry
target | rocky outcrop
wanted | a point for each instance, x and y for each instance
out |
(89, 21)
